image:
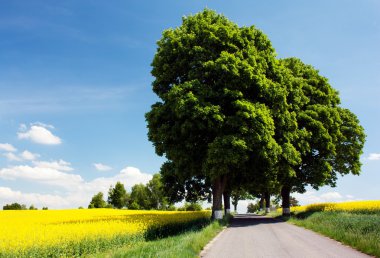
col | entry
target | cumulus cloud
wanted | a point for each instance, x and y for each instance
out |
(102, 167)
(75, 191)
(12, 157)
(27, 155)
(59, 165)
(374, 156)
(7, 147)
(42, 175)
(39, 134)
(7, 195)
(311, 196)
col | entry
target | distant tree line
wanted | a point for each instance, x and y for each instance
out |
(150, 196)
(18, 206)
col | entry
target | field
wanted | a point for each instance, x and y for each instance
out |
(38, 233)
(353, 223)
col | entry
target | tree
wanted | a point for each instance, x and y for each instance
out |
(97, 201)
(329, 139)
(211, 77)
(239, 194)
(139, 199)
(293, 201)
(32, 207)
(194, 206)
(14, 206)
(253, 207)
(117, 196)
(156, 195)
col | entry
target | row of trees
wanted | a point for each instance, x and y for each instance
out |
(18, 206)
(142, 197)
(232, 117)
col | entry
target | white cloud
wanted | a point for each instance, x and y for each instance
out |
(27, 155)
(7, 147)
(7, 195)
(102, 167)
(331, 196)
(311, 196)
(74, 190)
(39, 134)
(42, 175)
(60, 165)
(374, 156)
(43, 125)
(12, 157)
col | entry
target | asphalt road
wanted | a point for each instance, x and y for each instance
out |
(258, 236)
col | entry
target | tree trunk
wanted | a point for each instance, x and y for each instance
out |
(285, 194)
(235, 207)
(217, 194)
(227, 202)
(267, 202)
(261, 202)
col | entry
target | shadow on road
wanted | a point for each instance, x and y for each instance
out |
(245, 220)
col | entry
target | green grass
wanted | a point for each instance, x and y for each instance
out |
(358, 230)
(188, 244)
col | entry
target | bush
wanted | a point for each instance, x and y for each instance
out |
(190, 207)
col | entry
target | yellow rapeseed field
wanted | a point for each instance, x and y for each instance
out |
(356, 206)
(28, 229)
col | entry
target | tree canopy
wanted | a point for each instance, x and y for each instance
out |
(117, 196)
(97, 201)
(232, 115)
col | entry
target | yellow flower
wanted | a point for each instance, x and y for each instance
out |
(33, 229)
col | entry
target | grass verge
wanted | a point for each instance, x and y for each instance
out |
(358, 230)
(188, 244)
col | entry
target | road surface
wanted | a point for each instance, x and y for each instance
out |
(258, 236)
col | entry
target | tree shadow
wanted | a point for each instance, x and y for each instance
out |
(300, 215)
(246, 220)
(155, 232)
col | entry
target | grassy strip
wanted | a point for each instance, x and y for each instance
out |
(188, 244)
(358, 230)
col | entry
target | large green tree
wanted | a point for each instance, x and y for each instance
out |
(213, 79)
(328, 138)
(117, 196)
(156, 194)
(97, 201)
(139, 199)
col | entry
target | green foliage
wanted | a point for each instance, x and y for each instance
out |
(45, 208)
(156, 195)
(117, 196)
(239, 194)
(97, 201)
(253, 207)
(329, 138)
(32, 207)
(194, 206)
(215, 116)
(139, 198)
(293, 202)
(233, 116)
(149, 196)
(14, 206)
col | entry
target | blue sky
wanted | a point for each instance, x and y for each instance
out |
(75, 84)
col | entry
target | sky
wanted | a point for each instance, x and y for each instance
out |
(75, 84)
